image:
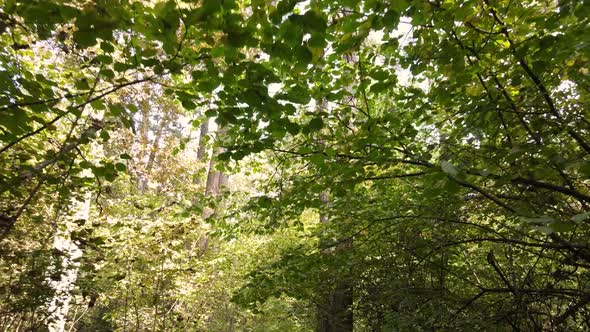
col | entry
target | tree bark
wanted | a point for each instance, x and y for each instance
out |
(215, 181)
(203, 131)
(223, 181)
(60, 303)
(335, 310)
(212, 186)
(144, 139)
(157, 139)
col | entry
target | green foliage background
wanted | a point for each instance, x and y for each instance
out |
(430, 156)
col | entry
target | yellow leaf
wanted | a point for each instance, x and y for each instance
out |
(504, 43)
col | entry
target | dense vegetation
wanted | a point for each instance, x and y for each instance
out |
(286, 165)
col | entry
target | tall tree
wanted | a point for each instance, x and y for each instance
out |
(454, 150)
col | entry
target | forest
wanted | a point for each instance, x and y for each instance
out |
(294, 165)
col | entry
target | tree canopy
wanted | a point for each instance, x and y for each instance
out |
(287, 165)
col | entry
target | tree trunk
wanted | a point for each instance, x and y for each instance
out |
(203, 131)
(212, 186)
(223, 180)
(144, 139)
(157, 139)
(336, 314)
(60, 303)
(215, 180)
(335, 310)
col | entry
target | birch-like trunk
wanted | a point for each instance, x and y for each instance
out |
(60, 304)
(144, 129)
(156, 145)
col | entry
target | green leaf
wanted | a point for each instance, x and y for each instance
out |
(120, 167)
(317, 40)
(292, 127)
(317, 159)
(585, 168)
(228, 117)
(379, 74)
(105, 135)
(107, 47)
(316, 124)
(104, 59)
(120, 66)
(391, 19)
(217, 52)
(311, 21)
(85, 38)
(82, 84)
(298, 95)
(108, 74)
(303, 55)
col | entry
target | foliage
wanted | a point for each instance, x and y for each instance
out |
(428, 159)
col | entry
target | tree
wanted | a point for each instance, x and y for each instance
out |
(472, 144)
(453, 146)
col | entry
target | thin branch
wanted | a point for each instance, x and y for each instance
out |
(571, 311)
(363, 89)
(483, 192)
(59, 117)
(536, 79)
(393, 176)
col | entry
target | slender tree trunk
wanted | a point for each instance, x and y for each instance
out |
(223, 181)
(212, 186)
(60, 303)
(137, 321)
(215, 180)
(156, 144)
(153, 150)
(157, 293)
(335, 310)
(203, 131)
(144, 139)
